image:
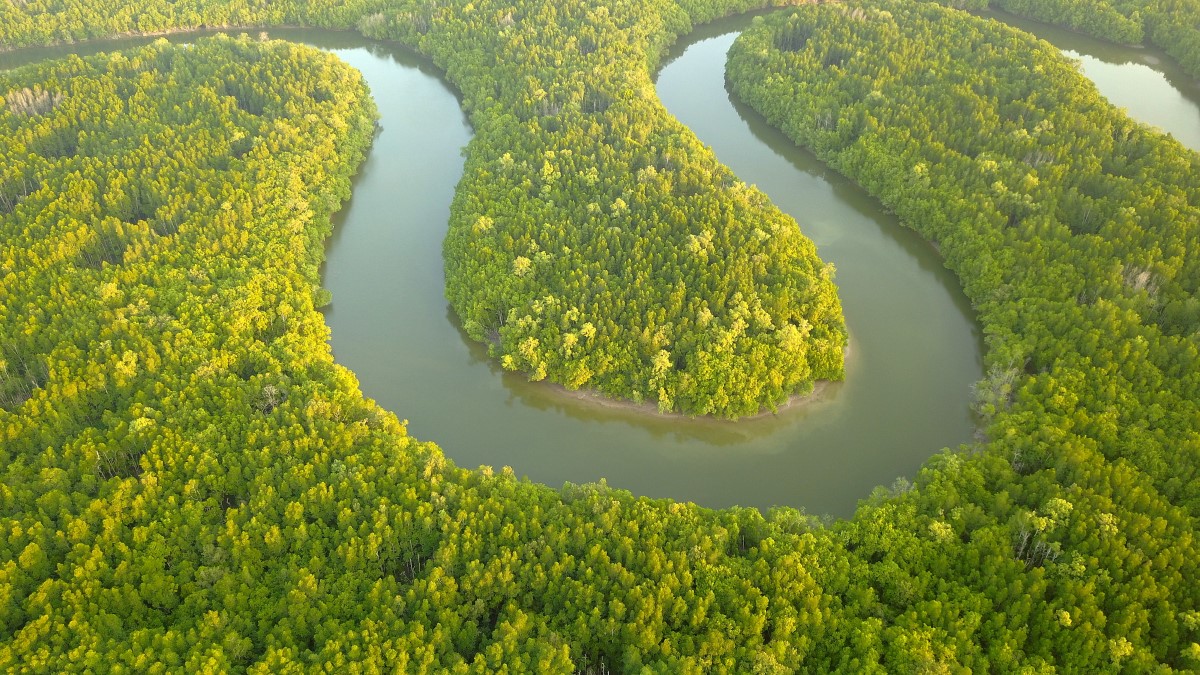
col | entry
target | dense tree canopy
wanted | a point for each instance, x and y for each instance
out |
(1075, 231)
(1172, 25)
(594, 241)
(188, 481)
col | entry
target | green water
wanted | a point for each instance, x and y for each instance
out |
(915, 349)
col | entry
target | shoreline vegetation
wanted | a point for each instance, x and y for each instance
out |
(598, 399)
(189, 482)
(1170, 25)
(1074, 230)
(595, 257)
(649, 409)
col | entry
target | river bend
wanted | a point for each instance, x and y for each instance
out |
(915, 348)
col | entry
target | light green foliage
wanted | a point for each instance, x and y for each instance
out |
(188, 482)
(1171, 25)
(591, 193)
(1075, 232)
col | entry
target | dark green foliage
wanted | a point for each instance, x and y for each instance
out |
(594, 242)
(1075, 232)
(188, 481)
(1171, 25)
(1115, 20)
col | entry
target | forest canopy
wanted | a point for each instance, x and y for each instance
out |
(594, 241)
(1075, 230)
(188, 481)
(1172, 25)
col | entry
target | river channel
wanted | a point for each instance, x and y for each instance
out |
(915, 346)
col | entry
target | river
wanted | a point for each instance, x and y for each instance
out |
(915, 346)
(1144, 81)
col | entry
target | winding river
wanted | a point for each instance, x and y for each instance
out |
(915, 346)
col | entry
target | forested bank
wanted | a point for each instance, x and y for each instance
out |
(1171, 25)
(594, 242)
(197, 485)
(1075, 232)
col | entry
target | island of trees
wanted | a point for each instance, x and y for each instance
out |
(188, 481)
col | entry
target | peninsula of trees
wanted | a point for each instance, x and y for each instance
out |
(189, 482)
(594, 241)
(1172, 25)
